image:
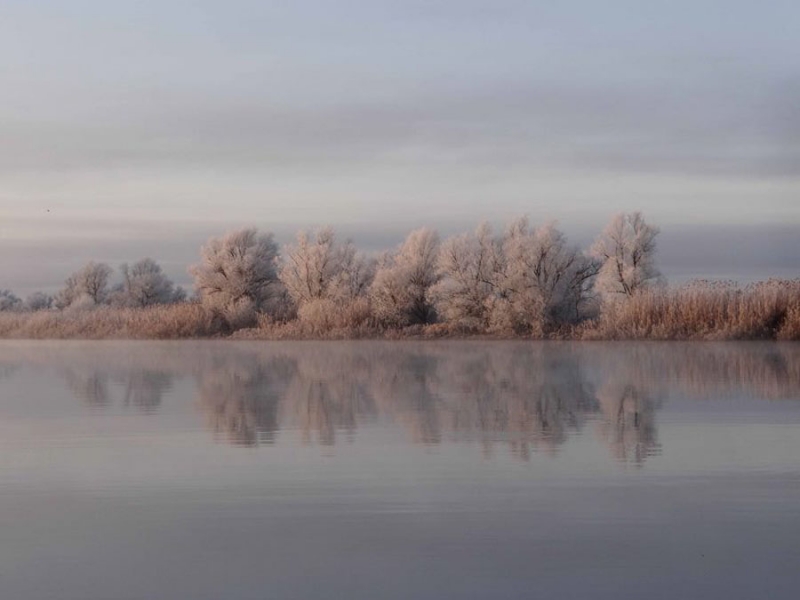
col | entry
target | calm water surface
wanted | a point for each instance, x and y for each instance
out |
(211, 470)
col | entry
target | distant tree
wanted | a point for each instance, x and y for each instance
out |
(88, 285)
(238, 273)
(627, 249)
(38, 301)
(401, 291)
(545, 280)
(318, 267)
(179, 295)
(8, 301)
(469, 265)
(144, 284)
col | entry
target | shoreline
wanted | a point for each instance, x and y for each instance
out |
(766, 311)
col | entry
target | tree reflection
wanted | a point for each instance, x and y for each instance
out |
(90, 386)
(628, 424)
(146, 389)
(329, 392)
(405, 387)
(531, 396)
(141, 388)
(7, 370)
(526, 397)
(241, 397)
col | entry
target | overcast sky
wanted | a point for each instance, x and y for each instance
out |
(139, 128)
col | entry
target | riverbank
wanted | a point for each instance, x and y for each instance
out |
(769, 311)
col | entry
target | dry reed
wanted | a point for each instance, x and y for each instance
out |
(171, 321)
(701, 310)
(704, 310)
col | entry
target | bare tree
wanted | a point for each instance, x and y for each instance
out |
(144, 284)
(238, 272)
(9, 301)
(469, 265)
(317, 267)
(401, 292)
(627, 250)
(545, 280)
(38, 301)
(89, 284)
(357, 274)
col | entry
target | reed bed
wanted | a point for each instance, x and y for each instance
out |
(704, 310)
(701, 310)
(171, 321)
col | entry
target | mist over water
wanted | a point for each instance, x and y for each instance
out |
(399, 469)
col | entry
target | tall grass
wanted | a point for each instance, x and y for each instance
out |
(701, 310)
(704, 310)
(169, 321)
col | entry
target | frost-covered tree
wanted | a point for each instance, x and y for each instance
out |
(143, 284)
(469, 265)
(89, 285)
(627, 250)
(318, 267)
(545, 280)
(237, 273)
(9, 301)
(38, 301)
(401, 291)
(358, 272)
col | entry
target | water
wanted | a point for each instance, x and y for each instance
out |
(143, 470)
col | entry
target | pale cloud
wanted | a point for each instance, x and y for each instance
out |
(380, 116)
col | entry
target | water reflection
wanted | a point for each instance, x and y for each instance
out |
(145, 389)
(330, 392)
(241, 395)
(526, 397)
(6, 370)
(90, 386)
(98, 387)
(628, 426)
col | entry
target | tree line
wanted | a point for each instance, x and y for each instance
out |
(523, 281)
(143, 284)
(529, 280)
(526, 280)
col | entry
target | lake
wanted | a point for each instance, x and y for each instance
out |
(399, 470)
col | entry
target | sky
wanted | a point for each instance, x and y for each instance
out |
(131, 129)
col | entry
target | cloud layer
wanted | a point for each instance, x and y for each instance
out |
(365, 113)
